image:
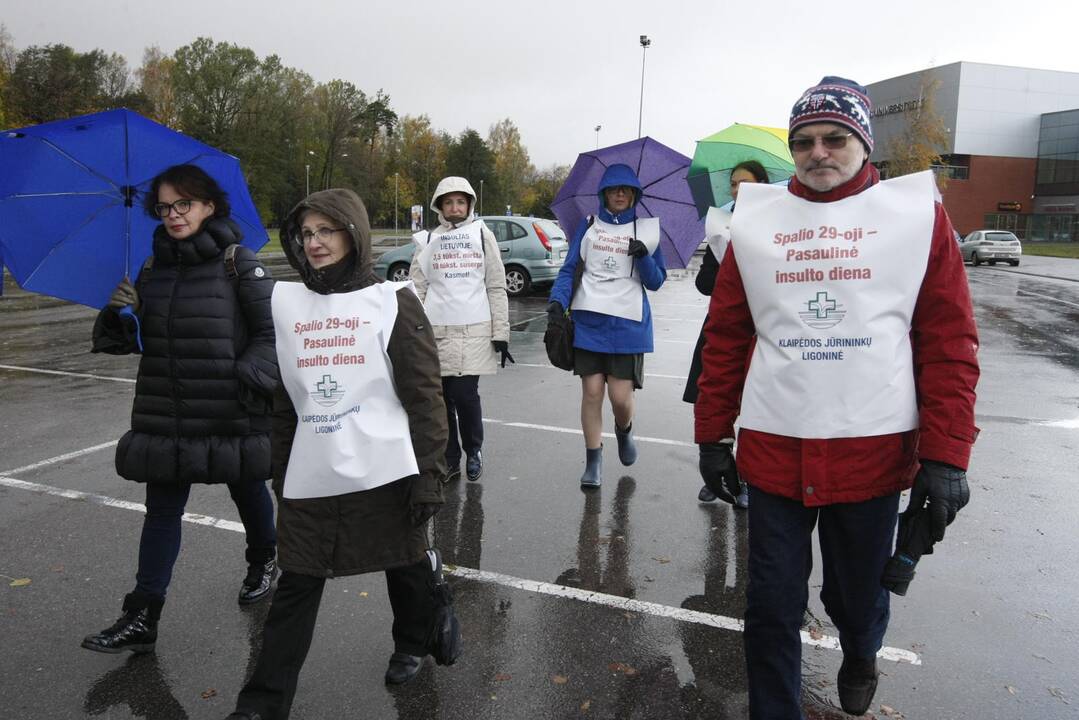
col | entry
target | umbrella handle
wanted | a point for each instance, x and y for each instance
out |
(128, 311)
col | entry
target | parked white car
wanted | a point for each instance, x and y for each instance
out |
(991, 246)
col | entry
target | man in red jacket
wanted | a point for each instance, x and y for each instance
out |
(842, 337)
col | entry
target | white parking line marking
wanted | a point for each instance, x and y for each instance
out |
(575, 431)
(60, 458)
(561, 591)
(66, 374)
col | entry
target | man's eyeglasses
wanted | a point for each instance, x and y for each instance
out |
(323, 234)
(831, 142)
(182, 207)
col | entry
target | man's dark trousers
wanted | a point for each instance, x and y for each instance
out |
(464, 413)
(855, 541)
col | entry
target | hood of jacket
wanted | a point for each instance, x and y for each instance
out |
(347, 209)
(614, 176)
(453, 184)
(216, 234)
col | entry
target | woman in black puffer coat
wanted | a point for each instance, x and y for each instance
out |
(202, 400)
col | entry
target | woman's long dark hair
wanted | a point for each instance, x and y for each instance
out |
(191, 182)
(754, 168)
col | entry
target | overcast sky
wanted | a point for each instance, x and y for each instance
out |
(558, 68)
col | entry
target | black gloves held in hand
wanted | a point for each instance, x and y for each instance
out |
(502, 347)
(943, 489)
(718, 470)
(637, 248)
(422, 512)
(555, 311)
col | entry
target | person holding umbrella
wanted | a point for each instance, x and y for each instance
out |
(613, 257)
(718, 233)
(358, 440)
(199, 313)
(849, 296)
(458, 274)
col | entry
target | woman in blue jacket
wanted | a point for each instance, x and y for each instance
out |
(612, 258)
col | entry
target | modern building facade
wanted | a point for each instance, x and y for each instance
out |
(1012, 153)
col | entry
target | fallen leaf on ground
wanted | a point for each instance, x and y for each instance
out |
(363, 593)
(1042, 657)
(1039, 616)
(1058, 694)
(585, 705)
(20, 582)
(662, 559)
(622, 668)
(559, 679)
(1010, 689)
(815, 633)
(891, 712)
(207, 694)
(502, 677)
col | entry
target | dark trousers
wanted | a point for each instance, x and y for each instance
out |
(160, 542)
(290, 625)
(855, 543)
(463, 411)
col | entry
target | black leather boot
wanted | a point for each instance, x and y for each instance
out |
(857, 683)
(259, 583)
(402, 668)
(136, 630)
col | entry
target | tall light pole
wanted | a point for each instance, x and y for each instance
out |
(396, 177)
(481, 196)
(645, 42)
(307, 171)
(598, 128)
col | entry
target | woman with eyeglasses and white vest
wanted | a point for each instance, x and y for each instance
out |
(613, 257)
(458, 273)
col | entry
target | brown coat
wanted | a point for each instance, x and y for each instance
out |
(369, 530)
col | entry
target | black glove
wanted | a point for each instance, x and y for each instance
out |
(555, 311)
(637, 248)
(942, 488)
(124, 295)
(718, 470)
(422, 512)
(503, 348)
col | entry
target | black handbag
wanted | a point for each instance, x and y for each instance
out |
(558, 337)
(444, 643)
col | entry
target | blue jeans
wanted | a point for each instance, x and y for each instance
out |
(160, 542)
(855, 543)
(463, 412)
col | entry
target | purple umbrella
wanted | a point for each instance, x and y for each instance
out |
(665, 193)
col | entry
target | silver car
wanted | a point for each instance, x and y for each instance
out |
(991, 246)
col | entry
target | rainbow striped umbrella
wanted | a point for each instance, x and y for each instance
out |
(709, 174)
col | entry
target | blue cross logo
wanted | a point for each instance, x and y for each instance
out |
(326, 386)
(610, 263)
(822, 305)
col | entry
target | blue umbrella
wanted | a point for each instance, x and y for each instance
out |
(71, 191)
(664, 193)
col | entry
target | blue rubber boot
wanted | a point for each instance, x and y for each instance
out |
(593, 469)
(627, 447)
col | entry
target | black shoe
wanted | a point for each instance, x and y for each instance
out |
(244, 716)
(402, 668)
(259, 583)
(474, 466)
(857, 683)
(136, 630)
(706, 495)
(454, 472)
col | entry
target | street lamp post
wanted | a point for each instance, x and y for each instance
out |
(307, 172)
(598, 128)
(396, 176)
(645, 42)
(481, 196)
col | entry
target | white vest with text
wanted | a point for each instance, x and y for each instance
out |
(610, 283)
(453, 263)
(832, 289)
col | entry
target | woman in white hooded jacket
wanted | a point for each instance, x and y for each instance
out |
(458, 273)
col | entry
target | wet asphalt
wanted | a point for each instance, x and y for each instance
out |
(991, 615)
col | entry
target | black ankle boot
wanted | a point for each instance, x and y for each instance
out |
(259, 583)
(857, 683)
(136, 630)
